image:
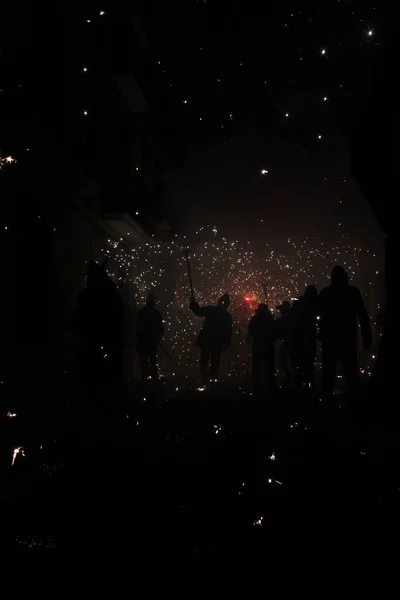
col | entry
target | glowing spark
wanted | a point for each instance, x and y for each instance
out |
(323, 51)
(272, 457)
(11, 415)
(17, 451)
(7, 160)
(264, 172)
(258, 522)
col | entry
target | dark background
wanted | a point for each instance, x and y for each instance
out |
(241, 67)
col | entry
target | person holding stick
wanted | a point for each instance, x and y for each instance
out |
(215, 335)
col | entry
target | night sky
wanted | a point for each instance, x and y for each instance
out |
(272, 86)
(242, 87)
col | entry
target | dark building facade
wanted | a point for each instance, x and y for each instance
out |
(88, 143)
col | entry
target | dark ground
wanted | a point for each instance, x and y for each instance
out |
(185, 477)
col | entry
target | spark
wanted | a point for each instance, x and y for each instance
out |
(264, 172)
(11, 415)
(7, 160)
(17, 451)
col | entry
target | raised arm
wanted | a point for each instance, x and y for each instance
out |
(197, 309)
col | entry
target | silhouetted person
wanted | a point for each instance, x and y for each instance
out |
(341, 305)
(215, 334)
(284, 334)
(303, 324)
(99, 320)
(149, 332)
(262, 328)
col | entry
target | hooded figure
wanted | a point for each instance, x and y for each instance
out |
(303, 324)
(99, 320)
(215, 334)
(341, 308)
(262, 328)
(149, 332)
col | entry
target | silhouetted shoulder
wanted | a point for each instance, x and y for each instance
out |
(354, 290)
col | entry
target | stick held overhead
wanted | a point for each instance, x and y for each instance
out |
(186, 252)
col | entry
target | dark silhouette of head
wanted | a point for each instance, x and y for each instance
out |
(284, 308)
(339, 276)
(262, 309)
(151, 300)
(311, 293)
(224, 301)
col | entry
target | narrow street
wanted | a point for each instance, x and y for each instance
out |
(196, 474)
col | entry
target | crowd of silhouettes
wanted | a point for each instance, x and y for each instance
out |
(332, 316)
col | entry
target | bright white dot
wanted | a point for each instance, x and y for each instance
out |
(85, 112)
(185, 102)
(102, 13)
(201, 118)
(319, 137)
(264, 172)
(87, 20)
(323, 51)
(84, 69)
(370, 33)
(286, 115)
(325, 98)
